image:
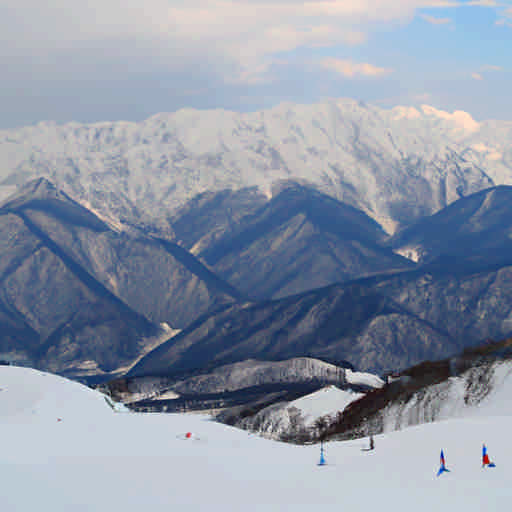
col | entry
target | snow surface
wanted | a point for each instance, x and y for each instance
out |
(481, 390)
(326, 401)
(363, 379)
(98, 460)
(283, 418)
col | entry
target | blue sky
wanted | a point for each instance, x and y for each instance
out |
(66, 60)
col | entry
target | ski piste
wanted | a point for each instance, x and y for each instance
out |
(189, 436)
(133, 461)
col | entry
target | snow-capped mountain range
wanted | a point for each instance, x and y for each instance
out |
(396, 165)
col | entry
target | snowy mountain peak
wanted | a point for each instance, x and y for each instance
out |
(37, 189)
(41, 194)
(396, 165)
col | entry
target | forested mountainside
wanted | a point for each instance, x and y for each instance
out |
(59, 256)
(378, 324)
(473, 231)
(299, 240)
(78, 294)
(431, 391)
(284, 253)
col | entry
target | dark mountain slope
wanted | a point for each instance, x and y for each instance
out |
(377, 324)
(352, 322)
(79, 296)
(155, 277)
(42, 195)
(211, 215)
(56, 316)
(298, 241)
(474, 231)
(17, 337)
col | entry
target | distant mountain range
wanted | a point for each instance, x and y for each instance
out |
(396, 165)
(456, 296)
(82, 295)
(197, 240)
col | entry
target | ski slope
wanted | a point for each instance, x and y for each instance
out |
(95, 459)
(324, 402)
(286, 418)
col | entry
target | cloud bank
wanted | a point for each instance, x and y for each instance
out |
(350, 69)
(57, 53)
(235, 33)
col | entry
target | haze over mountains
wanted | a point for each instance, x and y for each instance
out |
(396, 165)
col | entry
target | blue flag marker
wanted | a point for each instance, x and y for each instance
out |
(443, 468)
(322, 458)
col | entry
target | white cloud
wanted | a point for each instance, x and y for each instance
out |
(212, 41)
(238, 28)
(435, 21)
(484, 3)
(239, 35)
(350, 69)
(489, 68)
(459, 118)
(506, 20)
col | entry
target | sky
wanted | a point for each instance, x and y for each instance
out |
(105, 60)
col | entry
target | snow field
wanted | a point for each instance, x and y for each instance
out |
(97, 460)
(324, 402)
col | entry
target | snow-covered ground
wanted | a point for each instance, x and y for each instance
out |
(326, 401)
(63, 449)
(363, 379)
(481, 390)
(286, 418)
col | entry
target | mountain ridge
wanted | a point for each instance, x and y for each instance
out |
(81, 292)
(298, 240)
(396, 165)
(474, 230)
